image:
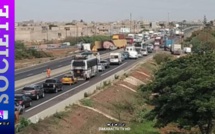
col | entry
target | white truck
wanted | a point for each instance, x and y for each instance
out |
(116, 58)
(187, 50)
(86, 46)
(133, 53)
(176, 49)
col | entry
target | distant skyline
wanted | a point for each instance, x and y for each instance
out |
(113, 10)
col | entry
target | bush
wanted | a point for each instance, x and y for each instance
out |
(22, 124)
(86, 39)
(162, 58)
(21, 52)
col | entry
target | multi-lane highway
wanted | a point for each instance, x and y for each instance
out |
(38, 69)
(53, 98)
(27, 72)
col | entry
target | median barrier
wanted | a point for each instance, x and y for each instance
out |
(42, 76)
(80, 95)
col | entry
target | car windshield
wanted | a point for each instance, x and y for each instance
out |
(28, 88)
(18, 98)
(114, 56)
(103, 61)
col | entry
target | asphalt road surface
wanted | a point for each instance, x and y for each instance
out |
(69, 90)
(24, 73)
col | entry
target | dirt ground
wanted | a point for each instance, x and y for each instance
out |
(113, 100)
(56, 54)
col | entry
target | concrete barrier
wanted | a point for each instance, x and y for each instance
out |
(39, 77)
(80, 95)
(42, 76)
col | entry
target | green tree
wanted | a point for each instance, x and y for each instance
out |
(186, 93)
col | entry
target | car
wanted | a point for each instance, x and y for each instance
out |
(52, 85)
(123, 56)
(149, 49)
(69, 79)
(105, 63)
(150, 46)
(101, 67)
(18, 107)
(23, 100)
(140, 54)
(34, 91)
(144, 51)
(126, 55)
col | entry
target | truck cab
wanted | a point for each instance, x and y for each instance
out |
(115, 58)
(133, 54)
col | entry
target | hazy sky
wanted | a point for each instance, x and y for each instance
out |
(110, 10)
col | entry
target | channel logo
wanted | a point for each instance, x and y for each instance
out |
(3, 114)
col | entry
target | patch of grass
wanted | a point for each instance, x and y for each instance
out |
(59, 115)
(150, 67)
(22, 124)
(116, 77)
(87, 102)
(105, 83)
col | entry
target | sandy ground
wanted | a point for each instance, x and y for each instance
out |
(113, 100)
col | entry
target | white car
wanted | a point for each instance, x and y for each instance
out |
(144, 51)
(101, 67)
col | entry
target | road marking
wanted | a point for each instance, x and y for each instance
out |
(113, 69)
(29, 74)
(43, 80)
(56, 97)
(31, 69)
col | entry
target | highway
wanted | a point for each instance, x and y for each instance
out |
(24, 73)
(53, 98)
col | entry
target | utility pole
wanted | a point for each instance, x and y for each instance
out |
(130, 22)
(168, 21)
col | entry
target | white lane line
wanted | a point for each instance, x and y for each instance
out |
(29, 74)
(31, 69)
(56, 97)
(113, 69)
(42, 80)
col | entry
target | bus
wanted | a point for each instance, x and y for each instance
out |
(83, 68)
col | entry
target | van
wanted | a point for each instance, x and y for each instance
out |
(115, 58)
(133, 54)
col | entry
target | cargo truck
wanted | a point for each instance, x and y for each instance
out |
(121, 43)
(176, 49)
(118, 36)
(168, 44)
(97, 46)
(158, 41)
